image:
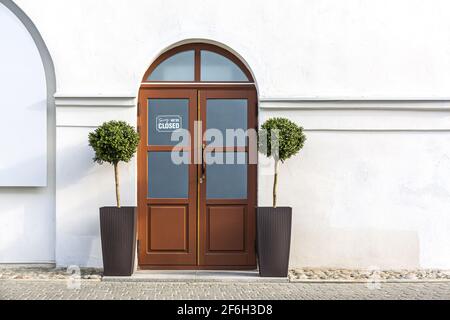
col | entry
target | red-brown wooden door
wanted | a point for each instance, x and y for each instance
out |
(227, 180)
(199, 215)
(167, 218)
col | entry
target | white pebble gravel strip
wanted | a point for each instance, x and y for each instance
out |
(46, 274)
(337, 275)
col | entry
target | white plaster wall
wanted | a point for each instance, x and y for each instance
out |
(84, 186)
(27, 190)
(296, 48)
(27, 225)
(370, 187)
(366, 193)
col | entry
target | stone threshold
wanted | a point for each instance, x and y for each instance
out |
(195, 276)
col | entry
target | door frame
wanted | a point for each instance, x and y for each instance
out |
(195, 84)
(141, 179)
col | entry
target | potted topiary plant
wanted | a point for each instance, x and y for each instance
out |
(280, 139)
(113, 142)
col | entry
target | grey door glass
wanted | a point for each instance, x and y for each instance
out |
(215, 67)
(166, 116)
(226, 179)
(179, 67)
(223, 114)
(167, 179)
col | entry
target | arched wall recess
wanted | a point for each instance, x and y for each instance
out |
(27, 85)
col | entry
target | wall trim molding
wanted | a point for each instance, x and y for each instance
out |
(324, 104)
(354, 99)
(354, 108)
(380, 130)
(112, 100)
(300, 103)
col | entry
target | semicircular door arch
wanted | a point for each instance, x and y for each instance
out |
(198, 63)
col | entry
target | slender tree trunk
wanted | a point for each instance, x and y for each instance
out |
(275, 183)
(116, 176)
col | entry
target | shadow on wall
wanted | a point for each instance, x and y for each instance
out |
(328, 231)
(78, 226)
(26, 221)
(352, 248)
(83, 187)
(323, 237)
(318, 242)
(20, 214)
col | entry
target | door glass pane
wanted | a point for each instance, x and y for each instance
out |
(165, 117)
(215, 67)
(179, 67)
(223, 114)
(166, 179)
(226, 178)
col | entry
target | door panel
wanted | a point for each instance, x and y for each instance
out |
(167, 191)
(228, 190)
(227, 227)
(168, 227)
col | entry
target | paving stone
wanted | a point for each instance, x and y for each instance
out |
(57, 289)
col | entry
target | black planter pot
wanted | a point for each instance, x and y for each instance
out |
(118, 233)
(273, 228)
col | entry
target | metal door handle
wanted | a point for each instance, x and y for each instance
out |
(203, 177)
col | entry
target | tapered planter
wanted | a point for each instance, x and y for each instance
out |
(273, 227)
(118, 232)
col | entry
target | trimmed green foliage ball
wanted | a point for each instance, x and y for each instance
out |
(287, 136)
(114, 141)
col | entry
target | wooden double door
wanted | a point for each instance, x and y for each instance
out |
(196, 185)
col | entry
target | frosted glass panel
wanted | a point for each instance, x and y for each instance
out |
(165, 178)
(179, 67)
(165, 117)
(227, 178)
(223, 114)
(215, 67)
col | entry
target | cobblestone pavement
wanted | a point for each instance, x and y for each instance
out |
(93, 289)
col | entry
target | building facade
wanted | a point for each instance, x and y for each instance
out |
(368, 81)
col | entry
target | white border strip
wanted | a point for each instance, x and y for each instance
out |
(354, 99)
(355, 104)
(125, 101)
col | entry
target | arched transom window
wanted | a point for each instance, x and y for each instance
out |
(198, 63)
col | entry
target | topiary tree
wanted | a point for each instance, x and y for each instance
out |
(281, 139)
(114, 141)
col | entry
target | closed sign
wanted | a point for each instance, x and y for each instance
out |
(168, 123)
